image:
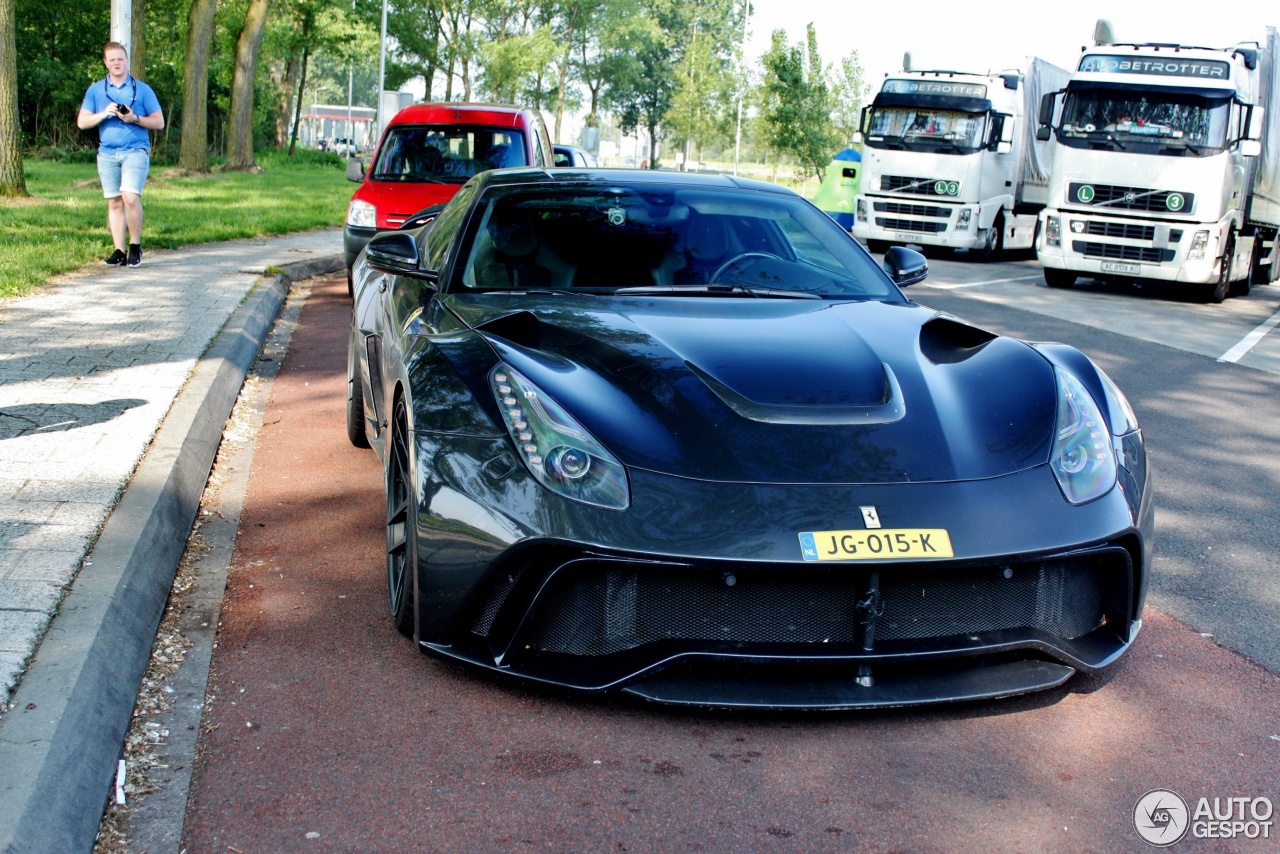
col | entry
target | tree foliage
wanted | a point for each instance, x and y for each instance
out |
(797, 103)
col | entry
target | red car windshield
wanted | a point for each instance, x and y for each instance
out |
(447, 154)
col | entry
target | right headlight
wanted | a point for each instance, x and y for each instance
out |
(557, 450)
(1199, 241)
(1083, 460)
(362, 214)
(861, 209)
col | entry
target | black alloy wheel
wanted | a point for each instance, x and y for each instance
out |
(355, 396)
(402, 537)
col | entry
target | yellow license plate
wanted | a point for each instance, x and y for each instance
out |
(884, 544)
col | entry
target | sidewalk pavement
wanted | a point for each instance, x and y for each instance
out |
(112, 402)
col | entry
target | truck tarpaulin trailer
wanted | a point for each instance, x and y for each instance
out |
(951, 159)
(1166, 167)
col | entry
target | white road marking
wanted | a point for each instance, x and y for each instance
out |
(980, 284)
(1247, 343)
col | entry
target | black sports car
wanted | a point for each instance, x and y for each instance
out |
(679, 435)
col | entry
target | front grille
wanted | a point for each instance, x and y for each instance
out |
(595, 609)
(1121, 229)
(912, 210)
(907, 184)
(924, 226)
(1114, 251)
(1130, 198)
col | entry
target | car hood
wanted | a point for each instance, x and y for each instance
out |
(780, 391)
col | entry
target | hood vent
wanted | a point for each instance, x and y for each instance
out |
(890, 408)
(946, 341)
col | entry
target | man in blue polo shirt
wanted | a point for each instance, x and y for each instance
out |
(123, 110)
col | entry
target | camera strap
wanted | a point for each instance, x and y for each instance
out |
(133, 86)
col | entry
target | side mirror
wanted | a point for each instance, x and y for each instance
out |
(1250, 147)
(1047, 103)
(1003, 147)
(1007, 129)
(1256, 116)
(355, 169)
(396, 252)
(905, 266)
(857, 137)
(1044, 133)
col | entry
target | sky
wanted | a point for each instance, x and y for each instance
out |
(967, 36)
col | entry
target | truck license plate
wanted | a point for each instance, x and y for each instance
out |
(1118, 267)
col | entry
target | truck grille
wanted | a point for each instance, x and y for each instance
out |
(1115, 251)
(912, 210)
(1122, 230)
(1117, 197)
(903, 184)
(922, 226)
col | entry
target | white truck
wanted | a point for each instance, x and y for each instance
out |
(950, 159)
(1167, 167)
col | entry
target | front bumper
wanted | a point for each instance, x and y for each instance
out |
(1125, 247)
(926, 222)
(354, 239)
(698, 594)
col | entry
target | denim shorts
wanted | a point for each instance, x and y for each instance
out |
(123, 171)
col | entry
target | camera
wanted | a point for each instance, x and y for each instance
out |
(122, 109)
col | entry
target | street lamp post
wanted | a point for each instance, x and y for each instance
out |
(315, 112)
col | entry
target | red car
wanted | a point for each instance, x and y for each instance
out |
(427, 153)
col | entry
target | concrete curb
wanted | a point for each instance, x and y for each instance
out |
(60, 741)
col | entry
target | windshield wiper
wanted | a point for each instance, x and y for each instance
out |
(715, 290)
(1173, 141)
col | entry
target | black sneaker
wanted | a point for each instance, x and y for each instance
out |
(135, 254)
(115, 259)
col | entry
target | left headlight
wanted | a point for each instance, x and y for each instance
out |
(1083, 460)
(361, 213)
(556, 449)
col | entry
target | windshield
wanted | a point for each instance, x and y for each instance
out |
(447, 154)
(1146, 120)
(927, 128)
(664, 240)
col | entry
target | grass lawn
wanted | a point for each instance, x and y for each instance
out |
(63, 225)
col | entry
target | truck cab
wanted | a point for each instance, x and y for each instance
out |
(949, 161)
(1155, 168)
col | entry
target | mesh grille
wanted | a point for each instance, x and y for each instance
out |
(906, 184)
(1131, 198)
(1062, 599)
(597, 609)
(924, 226)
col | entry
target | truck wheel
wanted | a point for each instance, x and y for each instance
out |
(1216, 292)
(994, 247)
(877, 246)
(1058, 278)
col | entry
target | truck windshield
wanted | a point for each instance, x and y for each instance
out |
(1148, 121)
(926, 129)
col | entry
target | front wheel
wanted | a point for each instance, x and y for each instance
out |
(1216, 292)
(1058, 278)
(355, 397)
(402, 528)
(993, 248)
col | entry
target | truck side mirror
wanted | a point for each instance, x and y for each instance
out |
(1250, 147)
(862, 119)
(1003, 147)
(857, 137)
(1007, 129)
(1046, 107)
(1256, 116)
(1044, 133)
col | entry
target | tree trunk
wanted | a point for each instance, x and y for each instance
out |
(193, 153)
(564, 72)
(240, 131)
(13, 181)
(138, 39)
(297, 109)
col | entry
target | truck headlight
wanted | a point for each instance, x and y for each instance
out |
(1053, 231)
(861, 212)
(362, 214)
(1199, 241)
(966, 215)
